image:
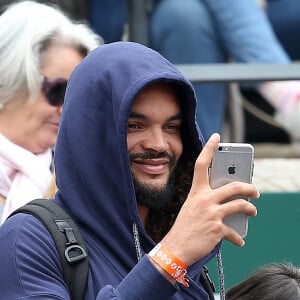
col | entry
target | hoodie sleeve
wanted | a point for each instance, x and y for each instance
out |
(144, 279)
(31, 268)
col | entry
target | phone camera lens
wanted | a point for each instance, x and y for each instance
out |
(220, 148)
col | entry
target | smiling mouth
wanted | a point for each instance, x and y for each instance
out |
(152, 166)
(152, 162)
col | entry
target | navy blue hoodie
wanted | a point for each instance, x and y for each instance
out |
(96, 188)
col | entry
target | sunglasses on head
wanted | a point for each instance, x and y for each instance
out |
(54, 89)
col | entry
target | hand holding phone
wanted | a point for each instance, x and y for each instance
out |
(233, 162)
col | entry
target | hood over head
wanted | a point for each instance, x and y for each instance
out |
(91, 157)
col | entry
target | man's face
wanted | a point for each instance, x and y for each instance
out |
(153, 136)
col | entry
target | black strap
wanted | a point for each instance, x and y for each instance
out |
(68, 240)
(207, 283)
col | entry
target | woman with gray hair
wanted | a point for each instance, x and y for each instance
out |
(39, 49)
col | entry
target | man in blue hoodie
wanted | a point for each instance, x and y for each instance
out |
(131, 175)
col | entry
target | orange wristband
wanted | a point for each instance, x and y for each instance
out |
(170, 263)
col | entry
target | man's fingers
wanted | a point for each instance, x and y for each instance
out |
(232, 236)
(238, 206)
(235, 190)
(232, 207)
(204, 160)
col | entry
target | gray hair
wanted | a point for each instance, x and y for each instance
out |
(26, 28)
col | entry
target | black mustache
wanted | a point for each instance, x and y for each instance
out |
(151, 155)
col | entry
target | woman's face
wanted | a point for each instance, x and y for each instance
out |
(36, 122)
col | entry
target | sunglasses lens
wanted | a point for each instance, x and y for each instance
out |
(55, 91)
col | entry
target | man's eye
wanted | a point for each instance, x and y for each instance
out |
(173, 128)
(133, 127)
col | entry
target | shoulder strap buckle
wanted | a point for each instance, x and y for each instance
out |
(75, 253)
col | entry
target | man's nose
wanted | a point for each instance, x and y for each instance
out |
(156, 140)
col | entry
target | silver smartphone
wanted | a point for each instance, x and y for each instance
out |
(233, 162)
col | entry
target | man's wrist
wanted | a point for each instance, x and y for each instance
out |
(162, 271)
(168, 264)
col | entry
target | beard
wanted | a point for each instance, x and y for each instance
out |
(155, 196)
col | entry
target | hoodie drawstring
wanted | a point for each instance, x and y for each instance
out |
(137, 243)
(221, 275)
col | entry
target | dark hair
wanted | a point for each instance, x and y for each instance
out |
(271, 282)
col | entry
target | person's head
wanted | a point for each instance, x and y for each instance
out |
(39, 48)
(128, 132)
(154, 140)
(155, 146)
(270, 282)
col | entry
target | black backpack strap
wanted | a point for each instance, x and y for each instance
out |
(207, 283)
(68, 240)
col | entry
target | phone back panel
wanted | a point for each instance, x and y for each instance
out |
(233, 162)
